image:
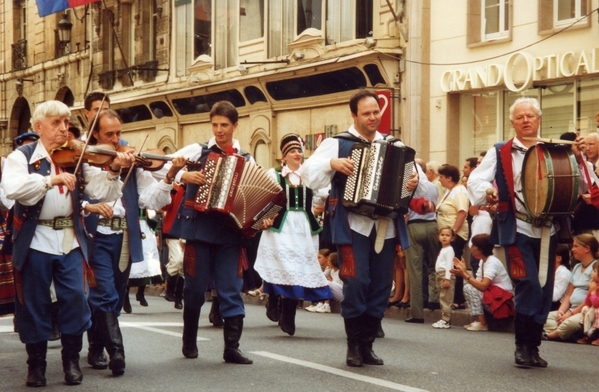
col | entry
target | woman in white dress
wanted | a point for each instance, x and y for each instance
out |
(287, 254)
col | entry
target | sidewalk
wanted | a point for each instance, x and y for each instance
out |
(458, 319)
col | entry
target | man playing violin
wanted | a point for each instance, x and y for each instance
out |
(49, 240)
(118, 242)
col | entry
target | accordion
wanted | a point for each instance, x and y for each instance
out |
(377, 186)
(240, 189)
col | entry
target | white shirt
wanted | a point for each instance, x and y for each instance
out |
(28, 189)
(560, 285)
(444, 261)
(153, 194)
(494, 270)
(317, 173)
(482, 179)
(191, 152)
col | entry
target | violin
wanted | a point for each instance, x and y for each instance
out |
(103, 154)
(69, 153)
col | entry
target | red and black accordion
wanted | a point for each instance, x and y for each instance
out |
(240, 189)
(377, 186)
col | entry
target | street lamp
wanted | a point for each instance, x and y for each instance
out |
(64, 30)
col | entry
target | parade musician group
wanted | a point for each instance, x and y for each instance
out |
(87, 268)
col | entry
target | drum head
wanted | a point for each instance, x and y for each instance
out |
(536, 185)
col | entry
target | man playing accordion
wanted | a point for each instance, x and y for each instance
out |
(366, 267)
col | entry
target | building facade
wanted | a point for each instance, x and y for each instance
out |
(486, 53)
(287, 65)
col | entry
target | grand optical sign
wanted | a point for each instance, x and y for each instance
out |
(520, 70)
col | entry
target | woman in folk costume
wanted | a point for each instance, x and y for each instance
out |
(287, 257)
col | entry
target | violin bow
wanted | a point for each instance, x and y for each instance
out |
(131, 168)
(88, 134)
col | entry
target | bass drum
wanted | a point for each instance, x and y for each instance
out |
(550, 179)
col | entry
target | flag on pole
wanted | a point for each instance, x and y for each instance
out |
(47, 7)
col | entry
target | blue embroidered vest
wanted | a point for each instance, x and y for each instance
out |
(25, 217)
(504, 227)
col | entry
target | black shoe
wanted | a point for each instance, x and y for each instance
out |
(369, 357)
(537, 361)
(434, 306)
(393, 303)
(523, 356)
(140, 296)
(178, 303)
(414, 320)
(127, 304)
(169, 297)
(403, 305)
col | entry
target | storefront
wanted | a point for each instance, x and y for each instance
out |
(471, 98)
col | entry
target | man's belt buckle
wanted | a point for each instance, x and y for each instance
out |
(58, 223)
(115, 224)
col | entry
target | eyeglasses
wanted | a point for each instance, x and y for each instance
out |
(528, 117)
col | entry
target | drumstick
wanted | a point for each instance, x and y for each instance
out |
(551, 141)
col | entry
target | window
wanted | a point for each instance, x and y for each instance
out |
(495, 18)
(489, 21)
(226, 33)
(183, 36)
(126, 39)
(203, 103)
(19, 47)
(560, 13)
(202, 38)
(316, 85)
(280, 27)
(567, 11)
(289, 18)
(347, 20)
(147, 10)
(251, 19)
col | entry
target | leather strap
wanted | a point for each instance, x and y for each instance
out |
(380, 235)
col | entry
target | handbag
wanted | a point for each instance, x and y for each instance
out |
(593, 188)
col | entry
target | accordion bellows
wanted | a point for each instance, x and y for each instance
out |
(378, 185)
(240, 189)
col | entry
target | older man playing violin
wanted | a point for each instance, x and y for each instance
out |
(118, 242)
(49, 240)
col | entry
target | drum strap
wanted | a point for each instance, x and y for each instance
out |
(544, 258)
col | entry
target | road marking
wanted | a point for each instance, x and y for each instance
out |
(147, 327)
(338, 372)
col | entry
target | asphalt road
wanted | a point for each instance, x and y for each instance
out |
(417, 357)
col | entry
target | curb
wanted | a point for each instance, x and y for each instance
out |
(458, 318)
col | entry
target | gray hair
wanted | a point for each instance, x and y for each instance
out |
(530, 100)
(49, 109)
(434, 166)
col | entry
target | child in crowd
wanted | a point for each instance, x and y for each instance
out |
(590, 311)
(323, 260)
(331, 272)
(445, 281)
(562, 275)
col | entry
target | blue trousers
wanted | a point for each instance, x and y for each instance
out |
(221, 262)
(32, 307)
(530, 298)
(111, 283)
(368, 292)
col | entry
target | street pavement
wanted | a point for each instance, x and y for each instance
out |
(417, 357)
